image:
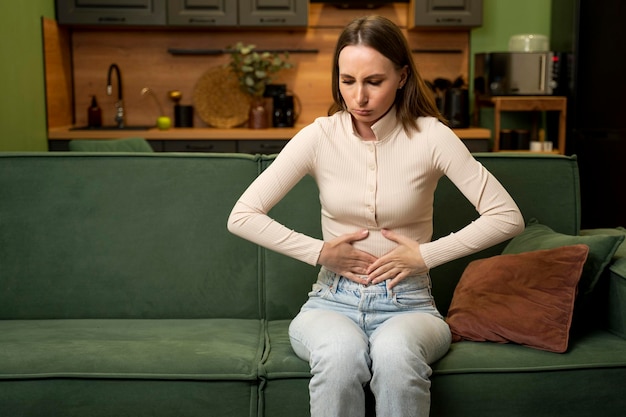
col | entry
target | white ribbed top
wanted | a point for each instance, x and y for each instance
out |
(388, 183)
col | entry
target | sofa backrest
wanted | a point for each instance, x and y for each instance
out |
(124, 235)
(144, 235)
(545, 187)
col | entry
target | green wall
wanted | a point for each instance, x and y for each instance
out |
(22, 92)
(22, 98)
(501, 20)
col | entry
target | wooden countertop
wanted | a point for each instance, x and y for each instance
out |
(200, 133)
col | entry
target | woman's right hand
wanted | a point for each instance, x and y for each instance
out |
(340, 257)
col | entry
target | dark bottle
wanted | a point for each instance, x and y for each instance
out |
(283, 115)
(94, 113)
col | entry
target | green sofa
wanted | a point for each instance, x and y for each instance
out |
(123, 294)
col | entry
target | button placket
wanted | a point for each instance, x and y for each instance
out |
(371, 183)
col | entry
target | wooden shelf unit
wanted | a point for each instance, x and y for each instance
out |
(525, 103)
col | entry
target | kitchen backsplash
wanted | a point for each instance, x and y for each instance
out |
(152, 58)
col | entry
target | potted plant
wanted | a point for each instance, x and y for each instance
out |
(255, 70)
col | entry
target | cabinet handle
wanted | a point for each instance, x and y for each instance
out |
(266, 146)
(273, 20)
(111, 19)
(199, 147)
(196, 20)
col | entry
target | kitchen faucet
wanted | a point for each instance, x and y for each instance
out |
(119, 104)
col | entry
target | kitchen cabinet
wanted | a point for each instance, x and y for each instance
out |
(223, 146)
(63, 145)
(266, 147)
(202, 13)
(261, 141)
(273, 13)
(111, 12)
(266, 13)
(445, 14)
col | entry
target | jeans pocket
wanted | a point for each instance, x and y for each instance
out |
(413, 299)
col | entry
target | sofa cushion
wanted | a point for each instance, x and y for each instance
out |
(617, 298)
(199, 349)
(526, 298)
(601, 249)
(285, 392)
(598, 349)
(142, 236)
(281, 360)
(576, 383)
(109, 397)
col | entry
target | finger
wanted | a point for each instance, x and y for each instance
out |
(381, 273)
(377, 267)
(395, 281)
(359, 268)
(361, 256)
(366, 260)
(393, 236)
(359, 279)
(356, 236)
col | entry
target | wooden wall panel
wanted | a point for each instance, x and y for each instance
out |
(144, 60)
(58, 74)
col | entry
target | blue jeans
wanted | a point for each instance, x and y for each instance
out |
(352, 334)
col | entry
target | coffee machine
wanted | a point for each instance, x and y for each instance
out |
(283, 105)
(283, 113)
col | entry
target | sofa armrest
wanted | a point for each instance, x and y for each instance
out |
(617, 298)
(616, 282)
(621, 250)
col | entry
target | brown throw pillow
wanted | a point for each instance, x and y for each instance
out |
(525, 298)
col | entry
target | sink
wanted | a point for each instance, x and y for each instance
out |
(133, 127)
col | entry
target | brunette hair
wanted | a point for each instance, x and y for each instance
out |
(415, 98)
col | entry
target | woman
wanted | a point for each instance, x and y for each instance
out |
(376, 158)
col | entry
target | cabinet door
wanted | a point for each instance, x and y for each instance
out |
(111, 12)
(228, 146)
(446, 14)
(273, 13)
(265, 147)
(202, 12)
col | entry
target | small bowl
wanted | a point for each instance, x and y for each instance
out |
(528, 42)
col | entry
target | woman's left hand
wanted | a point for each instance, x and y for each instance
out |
(403, 261)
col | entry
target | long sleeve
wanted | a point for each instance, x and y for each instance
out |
(384, 184)
(500, 218)
(249, 218)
